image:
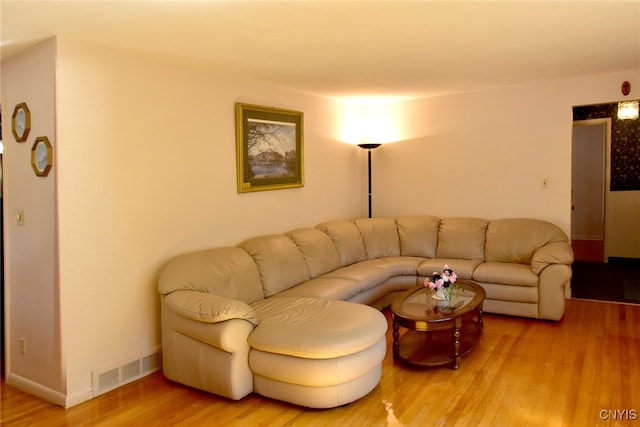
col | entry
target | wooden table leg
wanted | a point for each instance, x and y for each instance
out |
(456, 342)
(396, 339)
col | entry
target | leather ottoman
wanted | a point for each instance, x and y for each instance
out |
(316, 353)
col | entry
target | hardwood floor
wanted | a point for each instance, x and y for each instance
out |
(577, 372)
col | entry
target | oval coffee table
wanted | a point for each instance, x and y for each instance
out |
(439, 332)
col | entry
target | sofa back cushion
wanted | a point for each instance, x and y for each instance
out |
(418, 235)
(280, 263)
(515, 240)
(380, 237)
(227, 272)
(345, 236)
(318, 250)
(462, 238)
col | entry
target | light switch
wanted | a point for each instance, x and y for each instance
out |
(545, 183)
(20, 217)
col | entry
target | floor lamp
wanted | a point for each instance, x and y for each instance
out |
(369, 147)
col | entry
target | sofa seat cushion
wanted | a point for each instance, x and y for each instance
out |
(347, 282)
(375, 271)
(403, 265)
(508, 293)
(370, 273)
(506, 274)
(315, 328)
(324, 288)
(463, 267)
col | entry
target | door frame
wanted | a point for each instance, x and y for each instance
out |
(606, 121)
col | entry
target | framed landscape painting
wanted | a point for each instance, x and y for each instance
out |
(269, 148)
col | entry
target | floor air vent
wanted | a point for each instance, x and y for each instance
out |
(107, 379)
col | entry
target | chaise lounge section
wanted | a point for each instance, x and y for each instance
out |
(295, 316)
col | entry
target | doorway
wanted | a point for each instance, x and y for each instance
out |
(591, 143)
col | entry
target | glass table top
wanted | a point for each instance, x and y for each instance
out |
(418, 304)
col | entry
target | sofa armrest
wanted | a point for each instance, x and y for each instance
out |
(208, 308)
(552, 253)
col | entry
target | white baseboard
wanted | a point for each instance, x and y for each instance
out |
(127, 372)
(37, 389)
(78, 398)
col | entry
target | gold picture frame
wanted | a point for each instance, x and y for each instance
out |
(269, 148)
(21, 122)
(41, 156)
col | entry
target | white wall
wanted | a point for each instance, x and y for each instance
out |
(148, 153)
(145, 170)
(481, 154)
(486, 153)
(31, 286)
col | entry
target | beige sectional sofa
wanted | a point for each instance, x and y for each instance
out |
(295, 316)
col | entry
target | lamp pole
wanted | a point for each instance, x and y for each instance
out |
(369, 147)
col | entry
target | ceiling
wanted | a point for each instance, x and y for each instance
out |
(352, 48)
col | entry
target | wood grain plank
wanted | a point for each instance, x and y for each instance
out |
(522, 372)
